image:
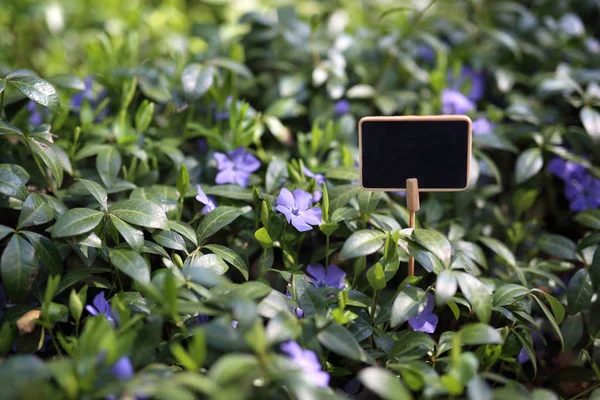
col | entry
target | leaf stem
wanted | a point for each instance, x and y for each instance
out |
(2, 102)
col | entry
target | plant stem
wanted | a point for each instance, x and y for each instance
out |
(2, 102)
(585, 391)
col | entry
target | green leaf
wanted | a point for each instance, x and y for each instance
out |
(231, 257)
(34, 211)
(435, 242)
(196, 80)
(557, 308)
(407, 304)
(384, 384)
(170, 240)
(591, 121)
(508, 294)
(478, 295)
(579, 292)
(409, 342)
(134, 237)
(341, 195)
(46, 252)
(589, 218)
(529, 163)
(2, 85)
(183, 181)
(277, 173)
(216, 220)
(18, 267)
(234, 192)
(12, 185)
(5, 231)
(527, 343)
(20, 374)
(339, 340)
(208, 261)
(7, 129)
(343, 173)
(76, 222)
(45, 153)
(141, 212)
(108, 164)
(558, 246)
(376, 277)
(143, 116)
(368, 200)
(478, 333)
(572, 330)
(595, 268)
(37, 89)
(131, 264)
(500, 249)
(445, 287)
(362, 243)
(95, 190)
(477, 389)
(184, 230)
(21, 173)
(551, 319)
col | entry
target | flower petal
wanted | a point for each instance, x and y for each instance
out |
(223, 161)
(426, 323)
(303, 199)
(242, 178)
(285, 199)
(317, 274)
(299, 224)
(201, 196)
(249, 163)
(225, 176)
(285, 211)
(335, 277)
(312, 216)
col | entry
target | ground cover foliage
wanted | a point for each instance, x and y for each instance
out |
(181, 216)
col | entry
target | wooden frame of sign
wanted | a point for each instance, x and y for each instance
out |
(453, 168)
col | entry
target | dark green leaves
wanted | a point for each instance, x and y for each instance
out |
(435, 242)
(133, 236)
(362, 243)
(231, 257)
(7, 129)
(36, 89)
(141, 212)
(595, 268)
(579, 292)
(277, 173)
(196, 79)
(48, 157)
(478, 334)
(18, 267)
(76, 222)
(408, 304)
(339, 340)
(558, 246)
(216, 220)
(478, 295)
(383, 383)
(529, 163)
(95, 190)
(500, 249)
(35, 211)
(131, 264)
(108, 164)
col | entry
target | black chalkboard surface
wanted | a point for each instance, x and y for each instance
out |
(434, 149)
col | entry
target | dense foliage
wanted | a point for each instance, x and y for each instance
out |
(181, 216)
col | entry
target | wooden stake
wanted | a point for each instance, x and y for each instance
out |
(412, 203)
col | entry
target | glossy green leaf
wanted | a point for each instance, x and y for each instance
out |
(46, 252)
(37, 89)
(184, 230)
(141, 212)
(18, 267)
(477, 293)
(340, 195)
(183, 180)
(383, 383)
(108, 164)
(362, 243)
(589, 218)
(435, 242)
(368, 200)
(216, 220)
(96, 191)
(277, 174)
(479, 333)
(76, 222)
(209, 261)
(558, 246)
(579, 292)
(500, 249)
(591, 121)
(340, 341)
(595, 268)
(133, 236)
(131, 264)
(230, 256)
(407, 304)
(35, 211)
(7, 129)
(445, 287)
(196, 80)
(170, 240)
(48, 157)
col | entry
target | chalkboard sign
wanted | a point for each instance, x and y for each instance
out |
(436, 150)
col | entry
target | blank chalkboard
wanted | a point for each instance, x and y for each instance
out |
(434, 149)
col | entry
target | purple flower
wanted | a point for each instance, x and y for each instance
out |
(297, 209)
(341, 107)
(101, 307)
(537, 341)
(426, 53)
(201, 319)
(37, 113)
(426, 321)
(236, 167)
(523, 357)
(208, 201)
(202, 145)
(332, 276)
(234, 324)
(309, 363)
(473, 80)
(319, 179)
(566, 170)
(122, 369)
(583, 194)
(299, 311)
(482, 126)
(93, 99)
(222, 115)
(454, 102)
